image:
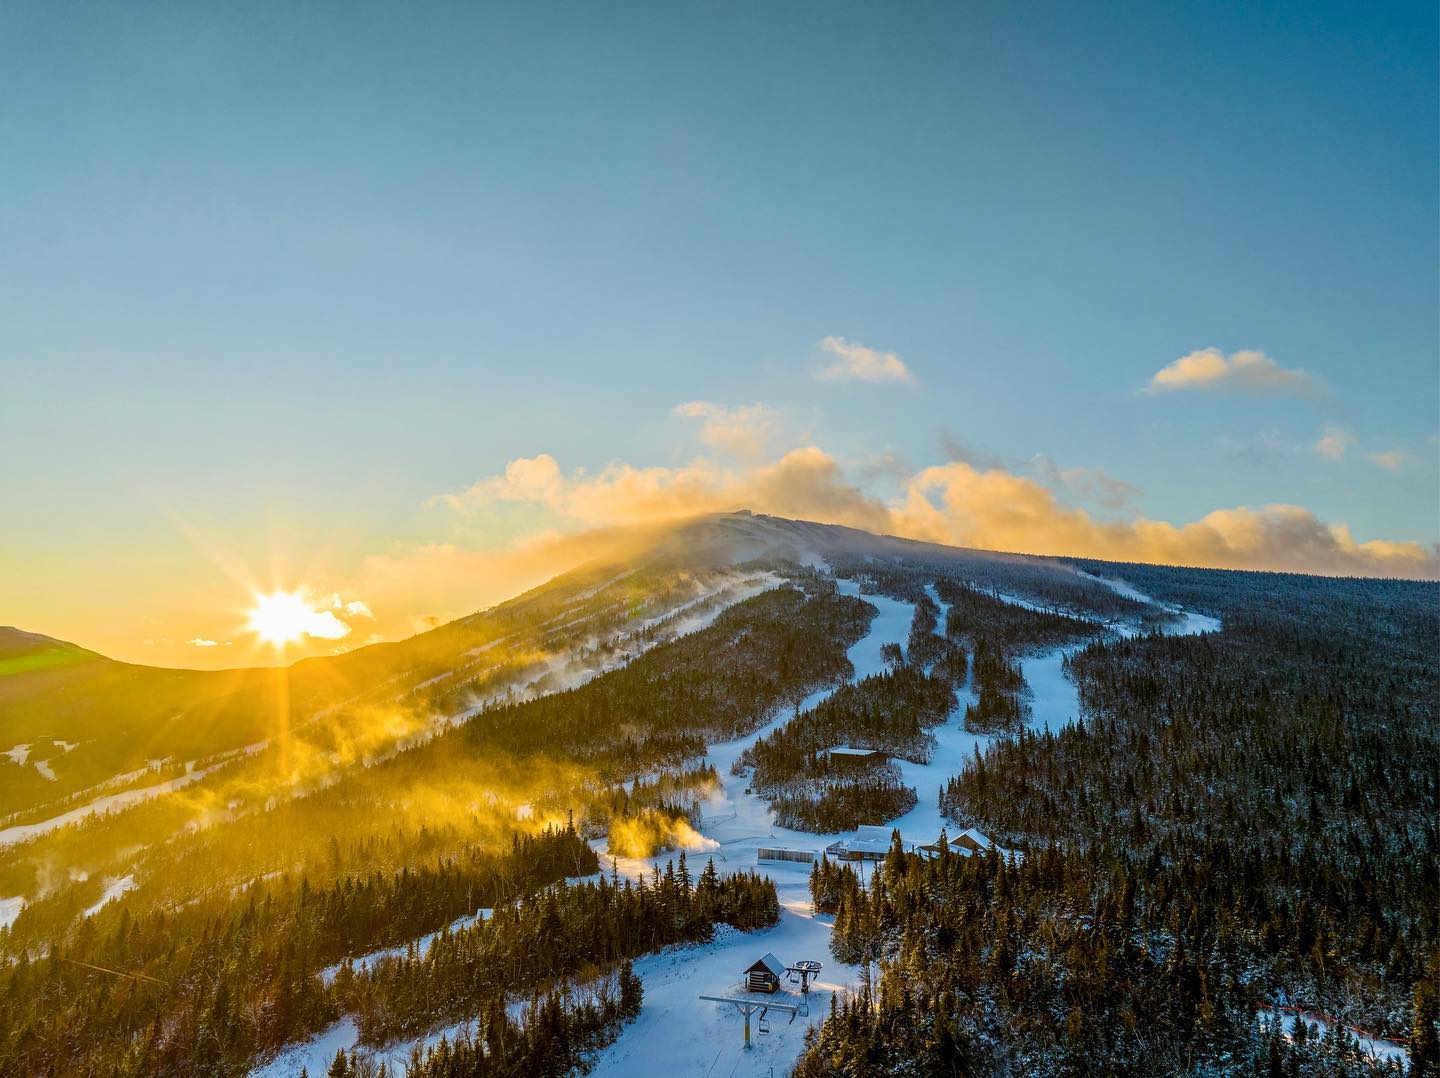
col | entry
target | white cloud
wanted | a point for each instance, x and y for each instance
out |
(1247, 370)
(1334, 442)
(1392, 460)
(744, 431)
(355, 608)
(856, 363)
(201, 642)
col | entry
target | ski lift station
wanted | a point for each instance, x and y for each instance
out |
(764, 976)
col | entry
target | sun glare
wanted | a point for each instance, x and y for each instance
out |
(283, 617)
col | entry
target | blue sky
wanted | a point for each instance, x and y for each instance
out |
(279, 277)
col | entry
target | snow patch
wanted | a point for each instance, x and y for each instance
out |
(113, 803)
(315, 1055)
(1376, 1048)
(114, 889)
(422, 945)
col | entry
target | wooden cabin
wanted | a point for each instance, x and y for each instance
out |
(968, 842)
(764, 975)
(972, 840)
(850, 756)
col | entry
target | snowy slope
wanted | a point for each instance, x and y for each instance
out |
(676, 1033)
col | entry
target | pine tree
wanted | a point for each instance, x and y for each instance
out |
(632, 991)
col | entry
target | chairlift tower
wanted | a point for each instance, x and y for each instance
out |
(747, 1007)
(804, 970)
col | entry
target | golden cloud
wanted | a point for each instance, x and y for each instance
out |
(1250, 370)
(958, 504)
(744, 431)
(955, 503)
(855, 363)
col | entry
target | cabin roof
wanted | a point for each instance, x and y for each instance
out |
(977, 837)
(770, 964)
(851, 750)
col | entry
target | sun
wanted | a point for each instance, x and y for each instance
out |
(284, 617)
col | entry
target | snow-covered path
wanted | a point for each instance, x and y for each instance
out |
(676, 1033)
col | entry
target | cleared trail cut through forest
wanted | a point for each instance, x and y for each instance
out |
(676, 1033)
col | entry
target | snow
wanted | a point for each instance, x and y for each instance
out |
(1025, 604)
(1376, 1048)
(18, 754)
(374, 958)
(314, 1055)
(9, 836)
(676, 1032)
(43, 766)
(1191, 624)
(741, 823)
(1119, 587)
(10, 909)
(733, 591)
(114, 889)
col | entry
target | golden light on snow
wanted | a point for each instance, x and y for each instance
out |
(285, 617)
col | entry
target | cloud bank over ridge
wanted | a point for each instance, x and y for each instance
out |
(956, 503)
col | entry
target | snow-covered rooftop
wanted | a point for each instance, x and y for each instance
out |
(977, 837)
(769, 962)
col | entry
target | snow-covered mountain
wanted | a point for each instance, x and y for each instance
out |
(1031, 815)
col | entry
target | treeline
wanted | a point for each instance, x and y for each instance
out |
(670, 794)
(936, 654)
(974, 615)
(1243, 818)
(869, 795)
(891, 711)
(1066, 963)
(1000, 689)
(719, 683)
(557, 1036)
(552, 936)
(212, 986)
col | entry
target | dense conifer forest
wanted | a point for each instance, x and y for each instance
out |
(1242, 818)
